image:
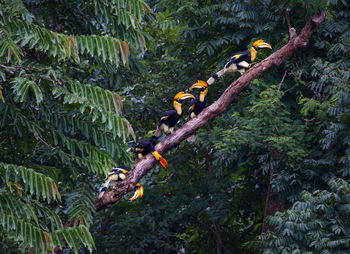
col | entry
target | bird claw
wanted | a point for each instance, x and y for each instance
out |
(252, 64)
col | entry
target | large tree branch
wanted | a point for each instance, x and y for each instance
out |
(173, 140)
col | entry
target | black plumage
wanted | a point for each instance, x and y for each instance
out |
(240, 61)
(245, 56)
(196, 106)
(170, 118)
(121, 167)
(145, 146)
(198, 103)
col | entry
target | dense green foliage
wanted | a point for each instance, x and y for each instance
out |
(59, 128)
(318, 223)
(78, 78)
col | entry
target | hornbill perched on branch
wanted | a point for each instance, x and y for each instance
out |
(117, 175)
(219, 106)
(240, 61)
(146, 146)
(197, 104)
(171, 117)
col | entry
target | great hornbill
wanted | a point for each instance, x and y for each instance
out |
(198, 103)
(146, 146)
(240, 61)
(171, 117)
(117, 175)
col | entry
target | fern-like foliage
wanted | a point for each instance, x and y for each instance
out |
(13, 206)
(20, 89)
(102, 104)
(69, 236)
(34, 182)
(118, 16)
(40, 241)
(64, 46)
(61, 130)
(81, 204)
(318, 223)
(25, 223)
(8, 48)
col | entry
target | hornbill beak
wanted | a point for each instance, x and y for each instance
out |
(262, 44)
(161, 160)
(138, 193)
(200, 84)
(182, 96)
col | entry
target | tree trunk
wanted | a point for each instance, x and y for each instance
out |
(273, 204)
(218, 238)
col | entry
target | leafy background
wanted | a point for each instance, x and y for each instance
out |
(82, 81)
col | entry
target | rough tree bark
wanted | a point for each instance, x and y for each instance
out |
(173, 140)
(272, 204)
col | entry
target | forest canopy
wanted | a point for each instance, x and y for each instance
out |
(82, 82)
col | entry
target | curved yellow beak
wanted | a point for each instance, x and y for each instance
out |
(200, 84)
(264, 45)
(181, 95)
(138, 193)
(261, 44)
(186, 96)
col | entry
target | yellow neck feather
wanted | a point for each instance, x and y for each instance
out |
(202, 95)
(253, 53)
(178, 107)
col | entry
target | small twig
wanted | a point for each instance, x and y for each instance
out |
(49, 79)
(292, 32)
(287, 18)
(36, 135)
(289, 89)
(279, 92)
(283, 78)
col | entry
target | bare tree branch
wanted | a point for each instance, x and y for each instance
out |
(219, 106)
(283, 78)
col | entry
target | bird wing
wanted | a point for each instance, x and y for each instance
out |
(125, 168)
(142, 144)
(236, 58)
(192, 103)
(167, 114)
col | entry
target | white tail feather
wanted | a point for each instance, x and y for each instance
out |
(105, 185)
(211, 80)
(220, 73)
